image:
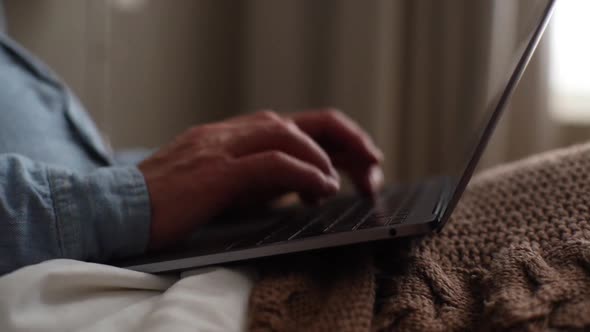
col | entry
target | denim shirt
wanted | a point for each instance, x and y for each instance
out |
(62, 195)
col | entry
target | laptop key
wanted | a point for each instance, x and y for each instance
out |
(397, 219)
(293, 224)
(374, 221)
(405, 210)
(355, 216)
(252, 240)
(325, 219)
(386, 210)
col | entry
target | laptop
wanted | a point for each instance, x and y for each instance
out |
(400, 210)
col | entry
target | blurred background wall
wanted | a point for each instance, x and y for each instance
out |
(148, 70)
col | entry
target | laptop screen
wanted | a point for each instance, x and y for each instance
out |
(515, 28)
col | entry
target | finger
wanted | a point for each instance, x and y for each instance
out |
(368, 180)
(337, 130)
(281, 135)
(256, 116)
(269, 117)
(278, 173)
(364, 175)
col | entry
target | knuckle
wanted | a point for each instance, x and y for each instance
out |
(230, 162)
(195, 130)
(277, 156)
(334, 113)
(213, 156)
(290, 124)
(288, 127)
(198, 132)
(221, 157)
(278, 122)
(270, 115)
(194, 134)
(284, 127)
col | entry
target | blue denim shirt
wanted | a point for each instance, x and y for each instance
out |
(62, 195)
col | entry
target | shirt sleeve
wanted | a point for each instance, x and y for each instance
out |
(132, 156)
(48, 212)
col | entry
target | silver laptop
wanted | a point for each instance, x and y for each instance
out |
(401, 210)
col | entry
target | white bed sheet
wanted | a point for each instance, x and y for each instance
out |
(66, 295)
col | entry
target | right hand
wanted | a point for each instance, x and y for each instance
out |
(238, 162)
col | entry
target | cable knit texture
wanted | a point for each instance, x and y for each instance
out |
(514, 257)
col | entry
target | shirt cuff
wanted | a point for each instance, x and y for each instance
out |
(102, 215)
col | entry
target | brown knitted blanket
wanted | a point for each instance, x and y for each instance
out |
(515, 256)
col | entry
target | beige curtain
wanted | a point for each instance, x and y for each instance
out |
(147, 74)
(408, 70)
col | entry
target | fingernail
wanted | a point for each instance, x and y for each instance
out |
(334, 183)
(334, 174)
(376, 178)
(378, 154)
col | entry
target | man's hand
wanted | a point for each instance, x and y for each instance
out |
(252, 159)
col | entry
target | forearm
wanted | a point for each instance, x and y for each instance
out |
(48, 212)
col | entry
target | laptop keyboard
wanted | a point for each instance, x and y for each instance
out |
(341, 214)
